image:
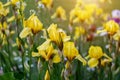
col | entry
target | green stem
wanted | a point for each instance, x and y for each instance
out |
(30, 56)
(23, 59)
(9, 53)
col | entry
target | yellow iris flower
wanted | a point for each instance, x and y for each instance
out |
(60, 13)
(95, 54)
(74, 13)
(47, 52)
(32, 25)
(111, 27)
(3, 29)
(80, 15)
(84, 13)
(3, 11)
(47, 3)
(57, 35)
(14, 2)
(70, 52)
(78, 32)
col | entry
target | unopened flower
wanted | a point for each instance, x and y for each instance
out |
(47, 75)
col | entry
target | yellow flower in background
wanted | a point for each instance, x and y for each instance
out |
(70, 52)
(57, 35)
(80, 15)
(14, 2)
(32, 25)
(47, 3)
(3, 11)
(60, 13)
(95, 54)
(73, 14)
(111, 27)
(104, 1)
(117, 36)
(79, 3)
(84, 13)
(78, 32)
(47, 75)
(91, 8)
(99, 11)
(47, 52)
(105, 16)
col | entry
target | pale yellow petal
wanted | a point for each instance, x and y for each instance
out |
(67, 38)
(25, 32)
(44, 33)
(35, 54)
(45, 45)
(105, 55)
(100, 31)
(104, 61)
(79, 57)
(53, 16)
(11, 19)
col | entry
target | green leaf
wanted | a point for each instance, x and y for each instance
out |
(7, 76)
